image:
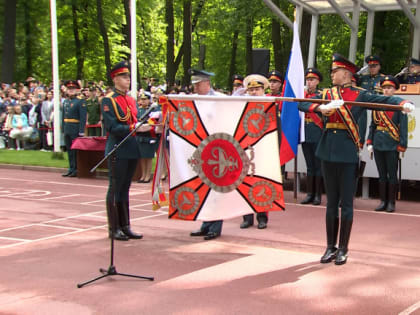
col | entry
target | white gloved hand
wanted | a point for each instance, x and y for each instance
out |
(143, 127)
(370, 148)
(334, 104)
(408, 108)
(81, 134)
(360, 153)
(158, 128)
(156, 115)
(400, 155)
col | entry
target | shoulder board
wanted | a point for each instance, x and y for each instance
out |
(359, 88)
(109, 95)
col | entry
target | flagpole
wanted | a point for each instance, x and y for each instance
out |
(56, 84)
(133, 51)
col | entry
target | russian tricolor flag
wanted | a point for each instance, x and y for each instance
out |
(291, 118)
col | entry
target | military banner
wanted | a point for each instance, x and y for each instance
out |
(224, 157)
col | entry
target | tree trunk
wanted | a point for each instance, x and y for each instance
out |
(127, 26)
(187, 42)
(232, 68)
(276, 40)
(104, 35)
(28, 39)
(193, 25)
(79, 57)
(9, 36)
(248, 45)
(305, 35)
(170, 66)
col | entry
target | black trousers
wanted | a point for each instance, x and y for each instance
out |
(72, 154)
(124, 171)
(340, 181)
(387, 165)
(313, 164)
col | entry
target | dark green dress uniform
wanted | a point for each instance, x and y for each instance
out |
(148, 141)
(411, 78)
(338, 151)
(94, 116)
(120, 116)
(371, 82)
(388, 133)
(313, 131)
(74, 122)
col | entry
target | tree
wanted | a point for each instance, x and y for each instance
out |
(187, 42)
(78, 45)
(9, 35)
(104, 35)
(170, 65)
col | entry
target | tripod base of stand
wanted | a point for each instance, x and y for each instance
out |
(112, 271)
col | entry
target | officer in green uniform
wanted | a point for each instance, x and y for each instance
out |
(371, 81)
(339, 151)
(388, 133)
(413, 75)
(74, 122)
(313, 130)
(237, 82)
(120, 116)
(93, 111)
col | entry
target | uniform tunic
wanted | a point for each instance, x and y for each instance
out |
(74, 122)
(120, 116)
(148, 141)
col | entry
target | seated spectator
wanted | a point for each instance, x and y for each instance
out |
(21, 130)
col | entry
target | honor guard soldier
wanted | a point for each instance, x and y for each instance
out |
(120, 116)
(200, 80)
(275, 79)
(371, 81)
(339, 151)
(255, 85)
(387, 139)
(237, 82)
(413, 75)
(313, 131)
(74, 123)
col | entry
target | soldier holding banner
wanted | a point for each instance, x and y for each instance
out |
(387, 140)
(313, 130)
(339, 151)
(202, 86)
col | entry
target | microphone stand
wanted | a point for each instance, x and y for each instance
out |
(112, 271)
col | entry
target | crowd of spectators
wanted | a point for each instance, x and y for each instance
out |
(27, 110)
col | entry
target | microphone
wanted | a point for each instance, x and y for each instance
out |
(403, 71)
(362, 70)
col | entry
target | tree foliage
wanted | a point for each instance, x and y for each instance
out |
(218, 26)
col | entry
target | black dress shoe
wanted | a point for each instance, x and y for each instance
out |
(140, 181)
(127, 231)
(73, 174)
(119, 236)
(246, 224)
(341, 258)
(211, 235)
(329, 255)
(262, 225)
(198, 233)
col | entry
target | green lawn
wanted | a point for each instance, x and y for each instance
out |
(32, 157)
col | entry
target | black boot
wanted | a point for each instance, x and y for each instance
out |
(345, 231)
(124, 215)
(309, 190)
(248, 221)
(262, 219)
(114, 230)
(332, 231)
(392, 190)
(382, 195)
(318, 191)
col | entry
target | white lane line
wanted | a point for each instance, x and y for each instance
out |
(52, 182)
(60, 227)
(72, 232)
(14, 239)
(88, 203)
(410, 309)
(57, 197)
